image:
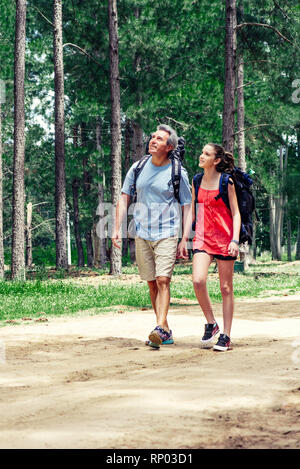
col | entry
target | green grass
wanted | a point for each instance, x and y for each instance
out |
(31, 298)
(58, 297)
(245, 286)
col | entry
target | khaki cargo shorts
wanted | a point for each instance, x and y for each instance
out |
(155, 258)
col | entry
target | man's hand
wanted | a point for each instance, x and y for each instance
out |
(182, 251)
(116, 239)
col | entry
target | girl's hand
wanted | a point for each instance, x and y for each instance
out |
(233, 249)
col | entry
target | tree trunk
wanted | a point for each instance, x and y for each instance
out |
(69, 251)
(1, 201)
(278, 225)
(18, 228)
(86, 174)
(127, 151)
(86, 190)
(75, 193)
(289, 240)
(298, 232)
(127, 144)
(298, 241)
(244, 248)
(241, 115)
(138, 144)
(29, 236)
(277, 208)
(89, 249)
(115, 259)
(275, 226)
(272, 226)
(60, 183)
(230, 70)
(137, 153)
(254, 245)
(80, 254)
(100, 256)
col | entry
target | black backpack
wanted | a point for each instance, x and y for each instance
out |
(176, 156)
(246, 200)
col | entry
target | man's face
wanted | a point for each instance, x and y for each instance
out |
(158, 144)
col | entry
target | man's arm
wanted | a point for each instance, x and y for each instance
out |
(187, 217)
(121, 210)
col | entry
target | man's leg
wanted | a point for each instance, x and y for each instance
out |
(163, 301)
(146, 265)
(165, 255)
(153, 290)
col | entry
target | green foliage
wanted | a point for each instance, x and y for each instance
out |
(171, 70)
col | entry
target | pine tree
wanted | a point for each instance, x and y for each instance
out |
(60, 184)
(115, 260)
(18, 254)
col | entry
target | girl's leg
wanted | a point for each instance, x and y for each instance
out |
(201, 263)
(225, 269)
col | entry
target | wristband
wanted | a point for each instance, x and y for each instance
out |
(235, 241)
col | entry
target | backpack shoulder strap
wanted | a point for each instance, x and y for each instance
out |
(196, 183)
(176, 176)
(223, 188)
(139, 167)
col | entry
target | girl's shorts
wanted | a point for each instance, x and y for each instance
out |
(216, 256)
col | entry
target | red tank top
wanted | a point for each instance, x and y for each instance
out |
(214, 227)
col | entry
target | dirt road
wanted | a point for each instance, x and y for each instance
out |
(90, 382)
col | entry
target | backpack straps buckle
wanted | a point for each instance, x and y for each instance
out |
(176, 176)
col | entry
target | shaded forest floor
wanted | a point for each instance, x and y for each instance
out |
(90, 382)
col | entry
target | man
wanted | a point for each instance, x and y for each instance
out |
(157, 219)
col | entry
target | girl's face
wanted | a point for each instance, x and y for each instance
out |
(208, 159)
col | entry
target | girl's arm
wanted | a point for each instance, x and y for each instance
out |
(233, 248)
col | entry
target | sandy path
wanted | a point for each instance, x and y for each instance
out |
(89, 382)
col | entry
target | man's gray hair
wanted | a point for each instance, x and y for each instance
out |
(173, 139)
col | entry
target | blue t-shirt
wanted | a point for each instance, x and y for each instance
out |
(157, 213)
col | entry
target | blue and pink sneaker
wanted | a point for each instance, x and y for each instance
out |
(160, 337)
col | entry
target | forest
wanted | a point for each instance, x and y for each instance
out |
(84, 82)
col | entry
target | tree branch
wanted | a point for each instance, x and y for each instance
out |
(42, 14)
(282, 11)
(262, 125)
(263, 25)
(247, 84)
(182, 124)
(45, 221)
(83, 51)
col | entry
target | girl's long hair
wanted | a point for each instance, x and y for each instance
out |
(226, 164)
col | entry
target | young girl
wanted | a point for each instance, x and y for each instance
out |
(216, 236)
